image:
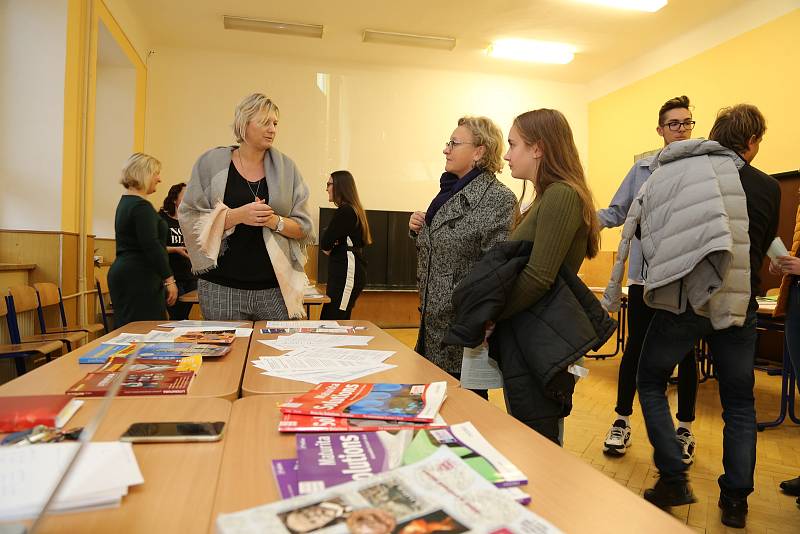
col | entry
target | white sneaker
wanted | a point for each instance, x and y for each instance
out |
(686, 439)
(618, 438)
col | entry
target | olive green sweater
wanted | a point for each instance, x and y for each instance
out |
(554, 223)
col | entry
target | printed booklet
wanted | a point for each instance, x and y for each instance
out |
(466, 442)
(325, 460)
(438, 494)
(397, 402)
(159, 351)
(145, 377)
(214, 337)
(291, 422)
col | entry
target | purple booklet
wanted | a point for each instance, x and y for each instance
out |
(285, 473)
(325, 460)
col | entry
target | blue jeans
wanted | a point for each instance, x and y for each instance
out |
(791, 327)
(668, 339)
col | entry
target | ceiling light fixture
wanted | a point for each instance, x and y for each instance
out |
(272, 26)
(534, 51)
(650, 6)
(409, 39)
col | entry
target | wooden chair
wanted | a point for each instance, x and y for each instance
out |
(103, 297)
(24, 300)
(19, 351)
(50, 295)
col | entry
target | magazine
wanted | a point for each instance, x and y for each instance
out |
(439, 494)
(145, 377)
(136, 383)
(214, 337)
(325, 460)
(141, 365)
(159, 351)
(102, 352)
(318, 423)
(466, 442)
(397, 402)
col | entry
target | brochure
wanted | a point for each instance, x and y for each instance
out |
(438, 494)
(466, 442)
(318, 423)
(399, 402)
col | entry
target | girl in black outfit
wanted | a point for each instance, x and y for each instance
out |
(344, 240)
(178, 256)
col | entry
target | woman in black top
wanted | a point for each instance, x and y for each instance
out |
(344, 240)
(141, 273)
(178, 255)
(246, 223)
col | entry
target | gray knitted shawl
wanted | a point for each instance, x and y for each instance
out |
(202, 214)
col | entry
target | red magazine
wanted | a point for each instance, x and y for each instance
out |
(136, 383)
(24, 412)
(291, 422)
(395, 402)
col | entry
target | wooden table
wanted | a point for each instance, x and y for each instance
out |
(308, 300)
(180, 479)
(565, 490)
(218, 377)
(411, 367)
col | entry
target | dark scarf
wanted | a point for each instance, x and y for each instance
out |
(449, 185)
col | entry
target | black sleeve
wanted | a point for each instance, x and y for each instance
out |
(344, 223)
(772, 231)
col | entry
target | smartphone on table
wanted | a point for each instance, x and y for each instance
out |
(174, 431)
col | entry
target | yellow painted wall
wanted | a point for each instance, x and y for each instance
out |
(760, 67)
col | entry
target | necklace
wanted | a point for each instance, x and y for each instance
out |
(258, 184)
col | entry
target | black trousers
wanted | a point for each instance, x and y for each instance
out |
(639, 317)
(336, 288)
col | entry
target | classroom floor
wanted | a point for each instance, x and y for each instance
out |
(778, 452)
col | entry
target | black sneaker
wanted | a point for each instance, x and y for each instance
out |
(668, 494)
(734, 511)
(686, 438)
(791, 487)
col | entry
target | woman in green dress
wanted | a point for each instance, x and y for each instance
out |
(140, 280)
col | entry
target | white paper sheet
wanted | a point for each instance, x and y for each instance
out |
(478, 370)
(125, 339)
(301, 324)
(340, 375)
(195, 325)
(100, 478)
(342, 354)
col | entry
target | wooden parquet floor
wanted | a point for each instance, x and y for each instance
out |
(778, 450)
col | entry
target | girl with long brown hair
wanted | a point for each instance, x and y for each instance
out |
(344, 240)
(562, 225)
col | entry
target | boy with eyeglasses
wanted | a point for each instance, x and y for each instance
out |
(674, 124)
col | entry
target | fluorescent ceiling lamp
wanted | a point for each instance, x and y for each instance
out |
(534, 51)
(272, 26)
(650, 6)
(408, 39)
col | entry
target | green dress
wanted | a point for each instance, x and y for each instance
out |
(136, 279)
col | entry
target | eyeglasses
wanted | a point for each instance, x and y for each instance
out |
(675, 126)
(450, 145)
(328, 185)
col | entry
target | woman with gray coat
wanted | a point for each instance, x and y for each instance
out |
(472, 212)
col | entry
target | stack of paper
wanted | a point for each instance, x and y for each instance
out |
(299, 340)
(99, 479)
(317, 364)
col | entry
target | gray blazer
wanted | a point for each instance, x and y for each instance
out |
(465, 227)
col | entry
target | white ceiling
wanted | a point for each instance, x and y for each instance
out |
(606, 39)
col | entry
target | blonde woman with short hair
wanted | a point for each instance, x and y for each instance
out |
(471, 213)
(246, 223)
(140, 280)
